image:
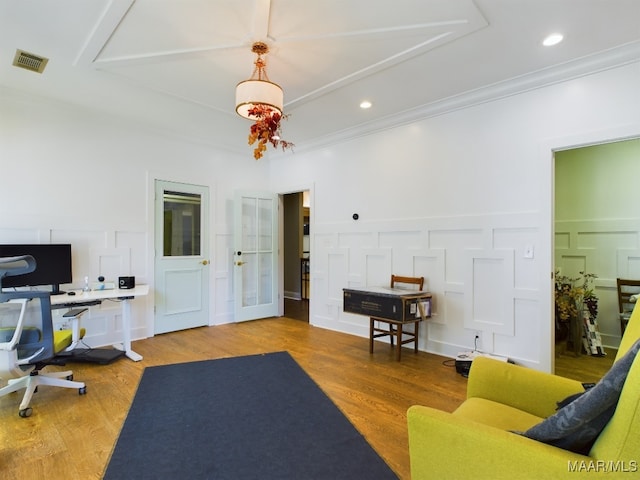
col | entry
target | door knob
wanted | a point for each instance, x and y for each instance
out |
(205, 262)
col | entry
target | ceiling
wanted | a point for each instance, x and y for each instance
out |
(174, 64)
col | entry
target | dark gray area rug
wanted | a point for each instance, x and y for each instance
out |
(253, 417)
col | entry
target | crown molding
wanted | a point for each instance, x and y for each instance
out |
(580, 67)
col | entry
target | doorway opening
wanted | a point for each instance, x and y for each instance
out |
(594, 218)
(297, 255)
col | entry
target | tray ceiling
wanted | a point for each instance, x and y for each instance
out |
(174, 64)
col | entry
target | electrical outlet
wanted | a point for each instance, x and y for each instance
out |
(477, 340)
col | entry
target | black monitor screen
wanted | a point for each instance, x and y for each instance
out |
(53, 265)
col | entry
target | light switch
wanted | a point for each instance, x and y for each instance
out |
(528, 251)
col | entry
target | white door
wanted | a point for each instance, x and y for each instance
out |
(255, 256)
(181, 256)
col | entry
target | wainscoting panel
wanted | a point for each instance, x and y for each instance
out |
(474, 267)
(82, 243)
(403, 244)
(109, 263)
(109, 253)
(378, 266)
(489, 292)
(628, 263)
(571, 262)
(136, 243)
(455, 242)
(608, 248)
(222, 263)
(21, 235)
(337, 270)
(430, 264)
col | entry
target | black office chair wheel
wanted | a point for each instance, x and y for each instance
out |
(82, 391)
(25, 412)
(70, 377)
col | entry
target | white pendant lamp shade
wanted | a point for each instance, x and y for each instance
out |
(258, 90)
(251, 93)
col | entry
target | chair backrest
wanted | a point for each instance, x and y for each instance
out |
(395, 279)
(20, 314)
(620, 440)
(12, 266)
(626, 289)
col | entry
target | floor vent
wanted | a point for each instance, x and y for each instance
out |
(29, 61)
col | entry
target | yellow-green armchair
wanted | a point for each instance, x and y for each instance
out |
(477, 441)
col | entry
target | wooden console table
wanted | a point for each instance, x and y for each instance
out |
(394, 307)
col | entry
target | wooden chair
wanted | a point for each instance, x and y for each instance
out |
(407, 280)
(626, 288)
(395, 327)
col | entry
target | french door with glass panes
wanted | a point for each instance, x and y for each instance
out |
(255, 255)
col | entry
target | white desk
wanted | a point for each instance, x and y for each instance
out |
(124, 295)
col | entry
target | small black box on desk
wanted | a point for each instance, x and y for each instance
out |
(126, 282)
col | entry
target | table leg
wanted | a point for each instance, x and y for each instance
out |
(417, 330)
(126, 332)
(399, 332)
(75, 333)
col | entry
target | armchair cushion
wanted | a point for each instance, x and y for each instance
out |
(443, 446)
(577, 425)
(497, 415)
(531, 391)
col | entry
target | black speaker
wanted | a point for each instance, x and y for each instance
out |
(126, 282)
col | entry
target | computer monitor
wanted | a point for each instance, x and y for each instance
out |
(53, 265)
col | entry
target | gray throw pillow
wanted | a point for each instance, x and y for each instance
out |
(578, 423)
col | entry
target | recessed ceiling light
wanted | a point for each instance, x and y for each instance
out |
(553, 39)
(365, 104)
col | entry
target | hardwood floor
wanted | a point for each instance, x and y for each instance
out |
(584, 367)
(296, 309)
(71, 436)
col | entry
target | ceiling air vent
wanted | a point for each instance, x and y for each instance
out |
(29, 61)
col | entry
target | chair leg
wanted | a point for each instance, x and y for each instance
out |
(54, 379)
(370, 335)
(14, 384)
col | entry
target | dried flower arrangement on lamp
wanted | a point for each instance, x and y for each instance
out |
(266, 129)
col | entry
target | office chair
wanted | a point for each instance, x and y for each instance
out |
(27, 339)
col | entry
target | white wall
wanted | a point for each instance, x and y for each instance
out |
(69, 175)
(457, 198)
